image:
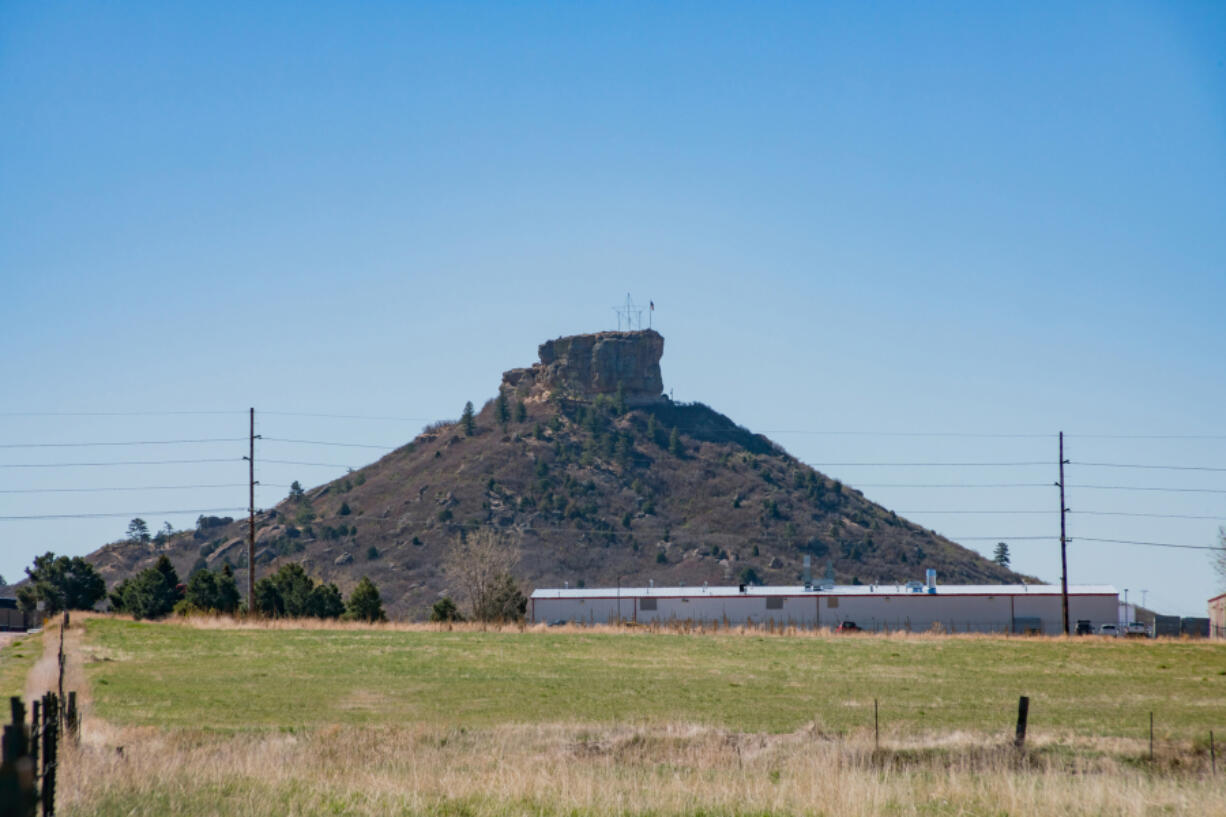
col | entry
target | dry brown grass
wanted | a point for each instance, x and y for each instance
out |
(584, 769)
(569, 769)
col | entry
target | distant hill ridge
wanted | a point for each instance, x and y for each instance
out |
(598, 476)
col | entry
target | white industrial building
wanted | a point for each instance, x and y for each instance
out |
(914, 607)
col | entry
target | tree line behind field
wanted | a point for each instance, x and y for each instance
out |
(60, 583)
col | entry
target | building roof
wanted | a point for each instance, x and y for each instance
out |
(838, 590)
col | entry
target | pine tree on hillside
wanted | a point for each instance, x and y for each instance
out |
(364, 603)
(503, 409)
(1001, 556)
(466, 419)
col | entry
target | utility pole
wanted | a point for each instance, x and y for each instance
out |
(1063, 542)
(250, 458)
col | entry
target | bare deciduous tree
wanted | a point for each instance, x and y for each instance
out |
(1219, 555)
(480, 564)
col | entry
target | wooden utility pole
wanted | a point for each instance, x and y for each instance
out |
(1063, 542)
(251, 520)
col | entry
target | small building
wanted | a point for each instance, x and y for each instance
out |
(913, 607)
(12, 619)
(1217, 616)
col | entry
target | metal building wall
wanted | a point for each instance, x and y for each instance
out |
(915, 613)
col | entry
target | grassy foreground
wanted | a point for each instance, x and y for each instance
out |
(403, 721)
(16, 658)
(233, 679)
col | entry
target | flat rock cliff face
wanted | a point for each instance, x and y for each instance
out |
(581, 367)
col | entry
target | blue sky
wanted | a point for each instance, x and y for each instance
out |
(971, 217)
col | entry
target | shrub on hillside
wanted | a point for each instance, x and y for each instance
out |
(152, 593)
(445, 610)
(364, 603)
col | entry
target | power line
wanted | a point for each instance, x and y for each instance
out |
(1147, 515)
(1146, 488)
(321, 442)
(349, 416)
(113, 413)
(972, 435)
(117, 514)
(1148, 467)
(297, 462)
(116, 462)
(953, 485)
(110, 490)
(1148, 544)
(925, 464)
(132, 442)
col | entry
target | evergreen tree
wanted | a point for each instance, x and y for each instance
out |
(445, 610)
(201, 591)
(152, 593)
(503, 409)
(268, 600)
(61, 583)
(138, 530)
(364, 603)
(325, 602)
(521, 411)
(1001, 556)
(296, 493)
(674, 443)
(467, 421)
(227, 591)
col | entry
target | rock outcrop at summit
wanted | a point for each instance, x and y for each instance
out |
(581, 367)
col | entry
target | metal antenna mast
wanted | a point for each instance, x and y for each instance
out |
(1063, 541)
(629, 315)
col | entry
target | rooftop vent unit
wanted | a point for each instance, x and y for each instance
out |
(808, 563)
(828, 579)
(930, 577)
(915, 587)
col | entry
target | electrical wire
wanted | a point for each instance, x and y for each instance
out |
(321, 442)
(926, 464)
(972, 435)
(1148, 515)
(1147, 488)
(953, 485)
(117, 413)
(133, 442)
(1148, 467)
(117, 462)
(111, 490)
(118, 514)
(347, 416)
(297, 462)
(1149, 544)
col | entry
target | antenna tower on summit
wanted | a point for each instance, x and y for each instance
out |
(630, 316)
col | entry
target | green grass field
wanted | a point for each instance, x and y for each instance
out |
(231, 680)
(16, 659)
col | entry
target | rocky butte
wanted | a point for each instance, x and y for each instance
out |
(583, 367)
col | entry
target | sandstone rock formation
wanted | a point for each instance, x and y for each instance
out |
(580, 367)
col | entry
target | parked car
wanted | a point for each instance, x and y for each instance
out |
(847, 627)
(1136, 629)
(1108, 629)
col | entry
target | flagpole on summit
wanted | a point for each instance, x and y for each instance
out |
(651, 313)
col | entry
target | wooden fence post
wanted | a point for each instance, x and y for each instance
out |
(876, 728)
(1023, 711)
(1212, 752)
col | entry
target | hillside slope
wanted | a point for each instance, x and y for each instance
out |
(594, 490)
